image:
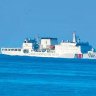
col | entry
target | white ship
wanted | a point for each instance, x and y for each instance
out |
(49, 47)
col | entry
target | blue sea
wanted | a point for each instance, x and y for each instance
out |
(32, 76)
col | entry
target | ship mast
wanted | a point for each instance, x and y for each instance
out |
(74, 37)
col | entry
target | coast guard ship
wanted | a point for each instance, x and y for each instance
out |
(49, 47)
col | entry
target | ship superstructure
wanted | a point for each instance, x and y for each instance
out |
(49, 47)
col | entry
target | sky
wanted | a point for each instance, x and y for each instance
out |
(20, 19)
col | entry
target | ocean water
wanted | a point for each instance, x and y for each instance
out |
(32, 76)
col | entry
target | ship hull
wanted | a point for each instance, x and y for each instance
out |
(53, 55)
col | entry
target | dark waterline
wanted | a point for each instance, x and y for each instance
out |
(33, 76)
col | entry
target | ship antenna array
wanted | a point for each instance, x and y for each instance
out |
(37, 38)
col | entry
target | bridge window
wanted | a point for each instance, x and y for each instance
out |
(19, 49)
(12, 49)
(15, 49)
(2, 49)
(25, 51)
(9, 49)
(5, 49)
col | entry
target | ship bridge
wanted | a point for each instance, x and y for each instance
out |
(73, 47)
